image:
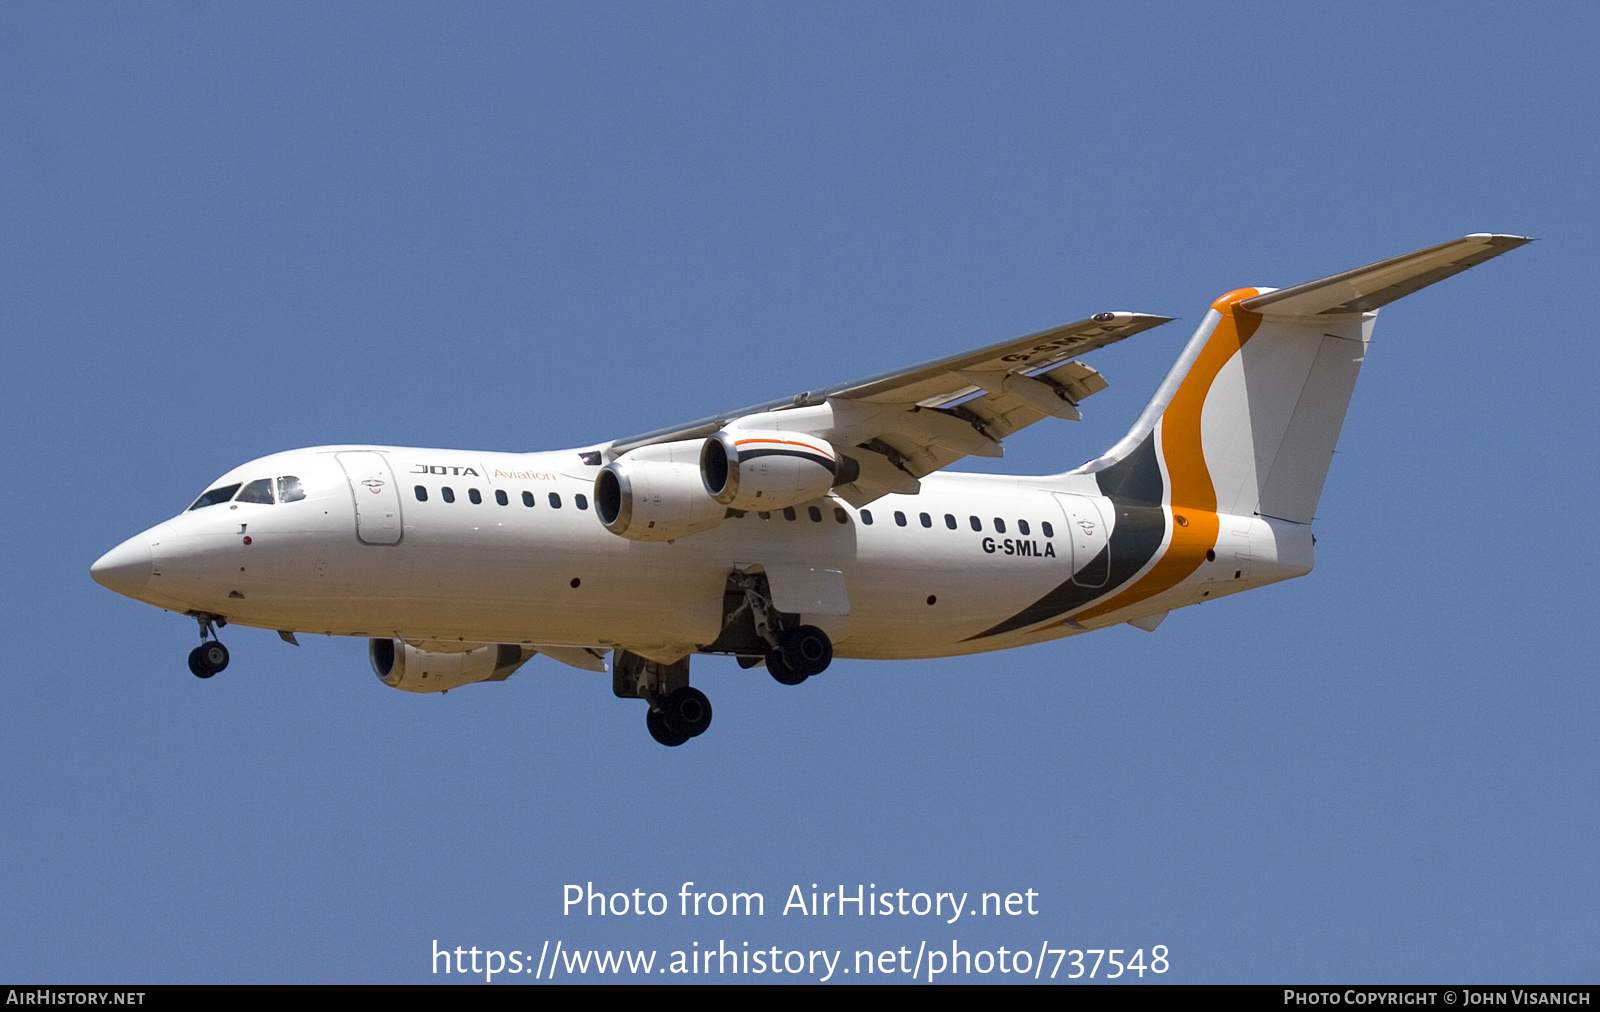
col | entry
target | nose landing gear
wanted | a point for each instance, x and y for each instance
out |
(207, 659)
(210, 656)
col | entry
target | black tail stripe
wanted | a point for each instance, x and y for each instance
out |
(1134, 486)
(1136, 477)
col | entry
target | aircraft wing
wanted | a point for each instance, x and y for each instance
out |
(901, 425)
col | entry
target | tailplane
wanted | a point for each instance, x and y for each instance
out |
(1246, 421)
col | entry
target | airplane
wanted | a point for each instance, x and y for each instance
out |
(789, 532)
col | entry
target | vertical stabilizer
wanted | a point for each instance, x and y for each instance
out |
(1270, 417)
(1247, 420)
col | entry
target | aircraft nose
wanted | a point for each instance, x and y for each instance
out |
(126, 568)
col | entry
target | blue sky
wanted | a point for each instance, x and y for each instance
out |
(232, 229)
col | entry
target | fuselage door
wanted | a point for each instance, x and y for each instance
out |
(377, 498)
(1086, 528)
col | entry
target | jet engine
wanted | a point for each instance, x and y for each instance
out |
(655, 493)
(769, 469)
(403, 666)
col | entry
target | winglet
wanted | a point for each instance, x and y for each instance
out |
(1366, 288)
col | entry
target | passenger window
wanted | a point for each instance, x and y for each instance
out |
(840, 515)
(1049, 531)
(583, 501)
(500, 497)
(816, 514)
(422, 494)
(448, 494)
(788, 512)
(289, 489)
(899, 518)
(977, 524)
(216, 495)
(555, 501)
(259, 491)
(527, 499)
(999, 526)
(1022, 526)
(866, 517)
(472, 494)
(950, 520)
(927, 521)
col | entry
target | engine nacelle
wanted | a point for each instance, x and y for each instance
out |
(768, 470)
(655, 493)
(405, 667)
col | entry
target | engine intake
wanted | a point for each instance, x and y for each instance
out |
(655, 494)
(768, 470)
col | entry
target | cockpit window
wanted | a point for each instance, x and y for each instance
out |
(259, 490)
(289, 489)
(216, 495)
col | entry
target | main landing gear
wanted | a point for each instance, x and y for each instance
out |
(802, 652)
(685, 713)
(753, 630)
(210, 656)
(792, 653)
(678, 711)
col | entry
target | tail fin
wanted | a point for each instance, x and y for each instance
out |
(1247, 419)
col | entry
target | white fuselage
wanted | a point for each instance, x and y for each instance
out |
(368, 556)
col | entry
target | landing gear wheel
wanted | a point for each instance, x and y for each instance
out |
(197, 663)
(807, 651)
(780, 671)
(658, 729)
(207, 659)
(686, 711)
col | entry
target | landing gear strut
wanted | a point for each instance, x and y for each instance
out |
(793, 653)
(210, 656)
(677, 711)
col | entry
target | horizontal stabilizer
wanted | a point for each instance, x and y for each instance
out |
(1366, 288)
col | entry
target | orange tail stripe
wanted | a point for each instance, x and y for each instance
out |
(1190, 492)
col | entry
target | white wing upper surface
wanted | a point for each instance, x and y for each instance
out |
(901, 425)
